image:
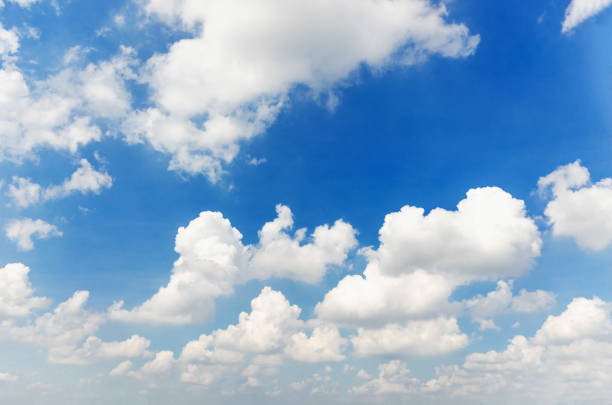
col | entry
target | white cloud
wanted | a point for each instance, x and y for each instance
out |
(579, 209)
(23, 192)
(266, 329)
(66, 325)
(16, 292)
(569, 360)
(23, 230)
(580, 10)
(9, 42)
(423, 258)
(84, 180)
(393, 378)
(487, 237)
(374, 299)
(243, 61)
(483, 308)
(24, 3)
(264, 340)
(94, 349)
(416, 338)
(59, 112)
(162, 363)
(122, 368)
(213, 259)
(325, 344)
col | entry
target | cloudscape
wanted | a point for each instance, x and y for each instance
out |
(290, 201)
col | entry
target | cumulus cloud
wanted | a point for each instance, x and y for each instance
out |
(94, 349)
(85, 179)
(16, 292)
(580, 10)
(9, 42)
(415, 338)
(213, 259)
(67, 331)
(393, 378)
(23, 230)
(122, 368)
(265, 338)
(568, 360)
(423, 258)
(7, 377)
(324, 344)
(242, 62)
(578, 208)
(66, 325)
(501, 300)
(59, 112)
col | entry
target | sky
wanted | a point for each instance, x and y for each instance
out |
(273, 201)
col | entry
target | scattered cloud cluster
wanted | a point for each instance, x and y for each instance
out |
(568, 360)
(61, 330)
(62, 111)
(86, 179)
(213, 259)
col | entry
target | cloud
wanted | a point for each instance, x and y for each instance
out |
(9, 42)
(94, 349)
(243, 61)
(84, 180)
(122, 368)
(213, 259)
(325, 344)
(393, 378)
(23, 230)
(501, 300)
(580, 10)
(16, 292)
(415, 338)
(578, 208)
(423, 258)
(568, 360)
(60, 112)
(265, 338)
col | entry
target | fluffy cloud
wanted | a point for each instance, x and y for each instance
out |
(67, 331)
(483, 308)
(213, 259)
(578, 208)
(243, 61)
(66, 325)
(415, 338)
(9, 42)
(568, 360)
(393, 378)
(580, 10)
(23, 230)
(59, 112)
(423, 258)
(94, 349)
(325, 344)
(487, 237)
(85, 179)
(16, 292)
(266, 337)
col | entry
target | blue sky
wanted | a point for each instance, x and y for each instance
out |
(271, 201)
